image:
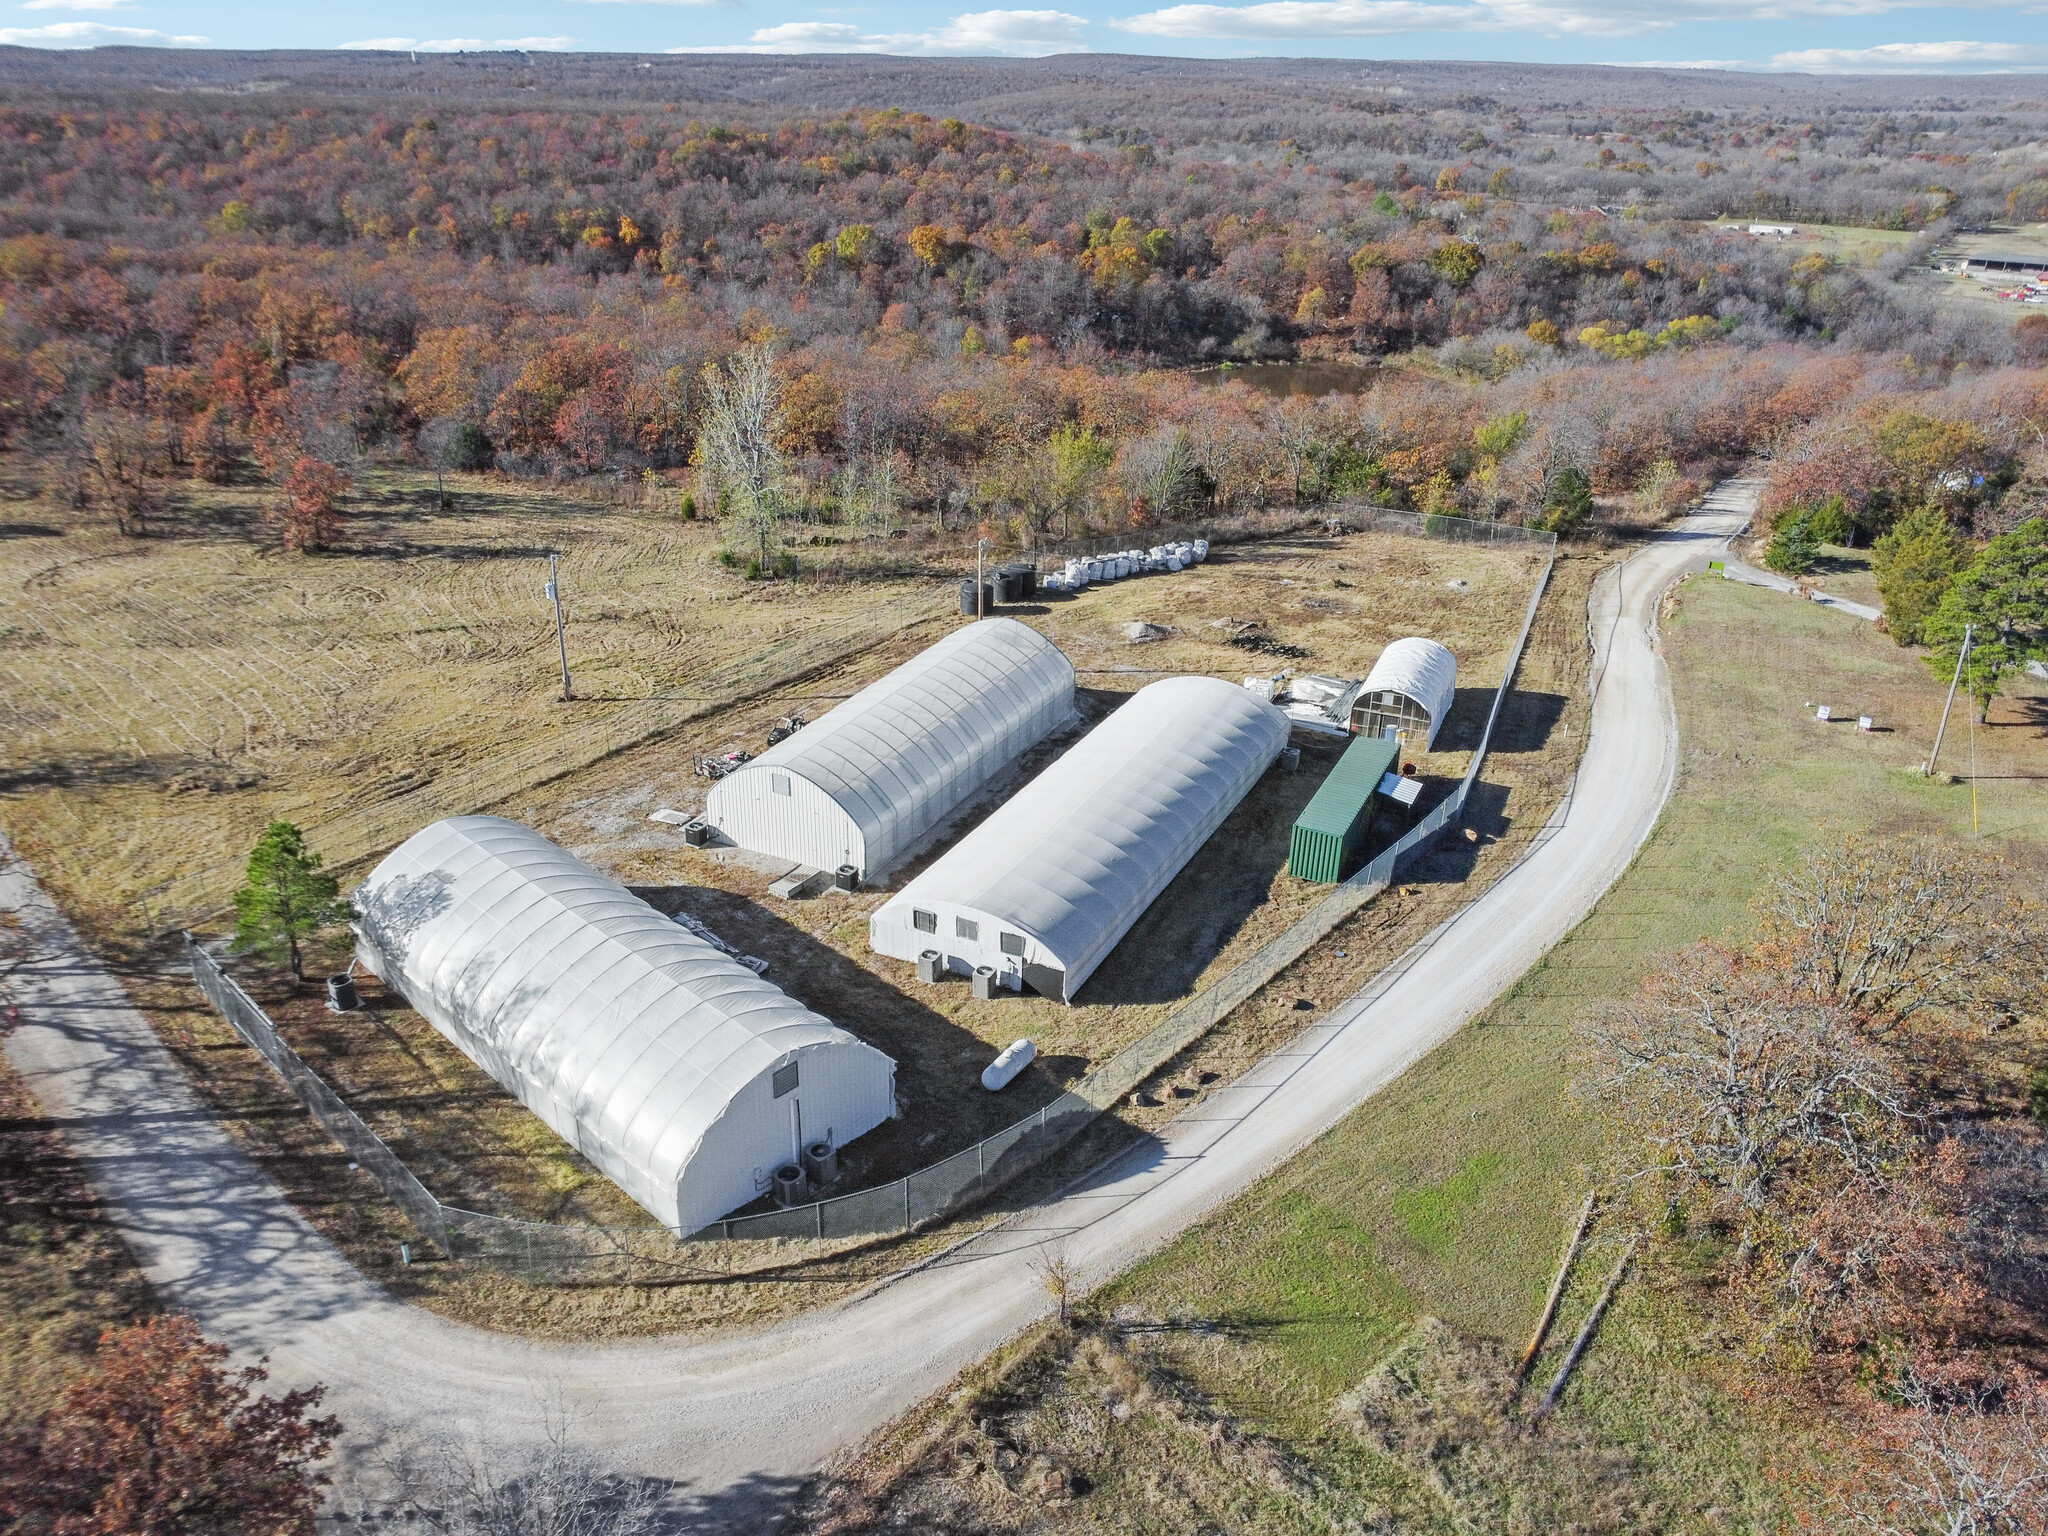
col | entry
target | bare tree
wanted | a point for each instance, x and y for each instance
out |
(1895, 928)
(1978, 1468)
(1727, 1080)
(736, 445)
(462, 1488)
(126, 453)
(1055, 1272)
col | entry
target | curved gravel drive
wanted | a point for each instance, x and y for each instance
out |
(738, 1419)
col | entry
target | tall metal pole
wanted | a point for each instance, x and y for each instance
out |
(561, 642)
(1950, 702)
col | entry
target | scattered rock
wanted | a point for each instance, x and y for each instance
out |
(1141, 633)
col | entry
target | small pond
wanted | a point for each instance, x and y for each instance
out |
(1281, 380)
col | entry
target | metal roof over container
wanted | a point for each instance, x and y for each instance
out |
(1419, 671)
(682, 1075)
(863, 784)
(1334, 823)
(1045, 888)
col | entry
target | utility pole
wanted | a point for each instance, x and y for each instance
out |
(980, 550)
(561, 641)
(1942, 730)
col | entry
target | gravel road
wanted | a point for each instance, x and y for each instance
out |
(737, 1421)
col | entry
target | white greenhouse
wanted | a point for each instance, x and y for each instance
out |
(1408, 692)
(1044, 889)
(682, 1075)
(863, 784)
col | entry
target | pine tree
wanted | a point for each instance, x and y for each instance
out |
(285, 898)
(1793, 548)
(1914, 564)
(2003, 598)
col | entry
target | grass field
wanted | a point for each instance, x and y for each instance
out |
(1449, 1195)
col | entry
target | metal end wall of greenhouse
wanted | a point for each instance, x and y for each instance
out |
(1044, 889)
(1409, 690)
(1334, 824)
(682, 1075)
(863, 784)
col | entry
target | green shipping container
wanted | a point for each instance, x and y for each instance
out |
(1335, 822)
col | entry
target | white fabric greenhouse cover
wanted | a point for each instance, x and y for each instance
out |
(1045, 888)
(681, 1074)
(1424, 671)
(863, 784)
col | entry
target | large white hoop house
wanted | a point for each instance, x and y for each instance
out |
(1045, 888)
(681, 1074)
(863, 784)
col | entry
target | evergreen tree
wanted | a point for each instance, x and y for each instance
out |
(1793, 548)
(1914, 564)
(1570, 503)
(284, 898)
(2003, 597)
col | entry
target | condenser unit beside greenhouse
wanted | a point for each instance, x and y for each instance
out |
(681, 1074)
(1334, 824)
(1407, 694)
(861, 785)
(1043, 890)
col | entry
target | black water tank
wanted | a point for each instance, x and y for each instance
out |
(988, 592)
(1022, 579)
(341, 993)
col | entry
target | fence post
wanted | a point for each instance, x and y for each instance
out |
(905, 1182)
(819, 1207)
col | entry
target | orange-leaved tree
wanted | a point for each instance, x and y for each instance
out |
(311, 511)
(161, 1438)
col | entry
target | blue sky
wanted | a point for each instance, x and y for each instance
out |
(1830, 36)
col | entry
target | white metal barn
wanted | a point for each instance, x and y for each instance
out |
(864, 783)
(1045, 888)
(681, 1074)
(1408, 691)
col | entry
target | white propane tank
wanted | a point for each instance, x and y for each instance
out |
(998, 1074)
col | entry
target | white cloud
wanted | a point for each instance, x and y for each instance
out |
(74, 5)
(462, 44)
(1915, 58)
(94, 34)
(1028, 33)
(1282, 19)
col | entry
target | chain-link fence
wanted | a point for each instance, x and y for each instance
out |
(544, 1250)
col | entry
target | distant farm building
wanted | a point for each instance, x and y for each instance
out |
(862, 785)
(681, 1074)
(1044, 889)
(1408, 692)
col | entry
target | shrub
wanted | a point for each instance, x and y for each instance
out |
(1831, 522)
(1793, 548)
(472, 449)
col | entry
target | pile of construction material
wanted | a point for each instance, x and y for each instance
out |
(1096, 569)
